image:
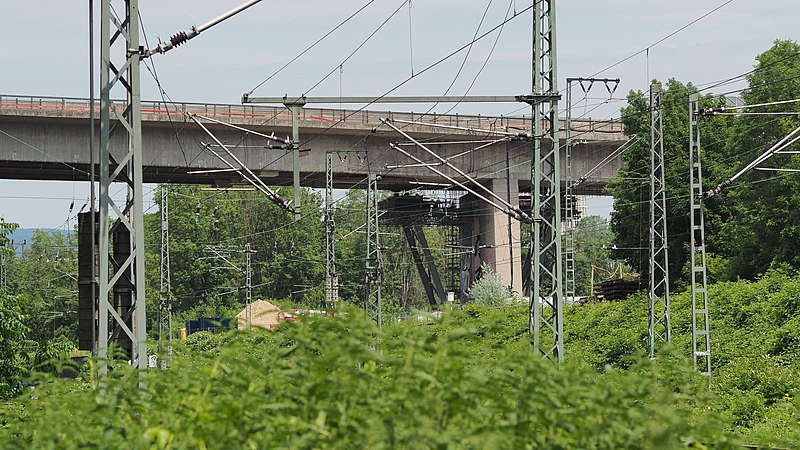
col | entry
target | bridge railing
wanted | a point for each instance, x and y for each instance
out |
(279, 115)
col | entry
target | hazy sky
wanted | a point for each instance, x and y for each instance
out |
(45, 53)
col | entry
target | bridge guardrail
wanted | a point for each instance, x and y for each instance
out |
(279, 115)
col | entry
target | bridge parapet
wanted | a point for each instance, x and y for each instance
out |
(47, 138)
(333, 120)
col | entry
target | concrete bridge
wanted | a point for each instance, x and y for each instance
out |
(48, 139)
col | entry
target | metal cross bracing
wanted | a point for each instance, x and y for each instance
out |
(660, 327)
(546, 289)
(701, 340)
(120, 60)
(331, 279)
(165, 285)
(373, 269)
(453, 261)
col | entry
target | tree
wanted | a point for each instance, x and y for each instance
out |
(593, 242)
(761, 225)
(45, 277)
(631, 187)
(13, 334)
(288, 261)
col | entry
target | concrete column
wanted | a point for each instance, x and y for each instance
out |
(494, 245)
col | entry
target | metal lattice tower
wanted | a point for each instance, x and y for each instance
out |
(546, 279)
(372, 297)
(249, 284)
(453, 260)
(120, 36)
(701, 340)
(331, 280)
(569, 207)
(165, 288)
(660, 328)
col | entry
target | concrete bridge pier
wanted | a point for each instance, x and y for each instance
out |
(493, 237)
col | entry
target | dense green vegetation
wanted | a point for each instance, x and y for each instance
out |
(752, 226)
(466, 380)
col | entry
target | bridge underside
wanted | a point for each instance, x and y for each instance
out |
(49, 140)
(45, 141)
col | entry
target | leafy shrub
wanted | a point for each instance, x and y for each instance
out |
(489, 288)
(13, 355)
(468, 380)
(52, 356)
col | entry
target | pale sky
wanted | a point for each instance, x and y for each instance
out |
(45, 53)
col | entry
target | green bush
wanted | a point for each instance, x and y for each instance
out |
(489, 288)
(468, 380)
(14, 362)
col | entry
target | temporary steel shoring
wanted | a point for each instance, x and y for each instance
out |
(508, 208)
(659, 328)
(701, 340)
(121, 36)
(458, 183)
(331, 279)
(373, 269)
(165, 288)
(546, 290)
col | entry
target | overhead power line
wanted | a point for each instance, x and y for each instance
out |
(312, 46)
(644, 50)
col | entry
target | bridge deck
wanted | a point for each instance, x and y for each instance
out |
(47, 138)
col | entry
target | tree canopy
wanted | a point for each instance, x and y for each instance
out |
(751, 226)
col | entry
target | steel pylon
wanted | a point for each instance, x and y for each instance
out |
(570, 221)
(331, 279)
(659, 327)
(119, 74)
(546, 290)
(372, 296)
(701, 339)
(165, 284)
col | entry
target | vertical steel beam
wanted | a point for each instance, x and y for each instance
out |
(660, 327)
(120, 71)
(331, 280)
(372, 296)
(701, 339)
(546, 288)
